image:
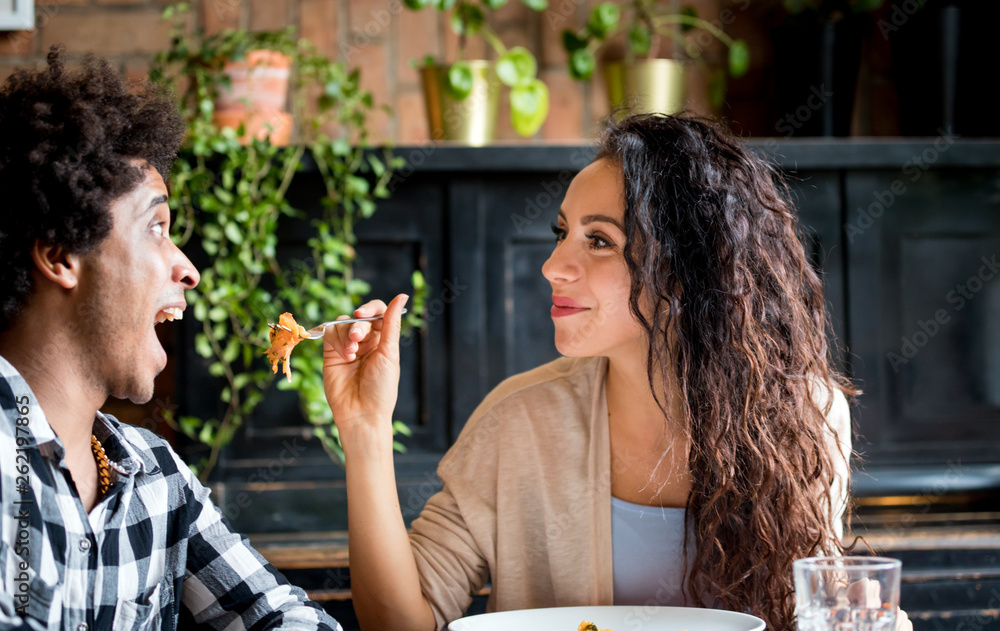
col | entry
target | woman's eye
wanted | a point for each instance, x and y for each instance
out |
(559, 232)
(160, 229)
(599, 243)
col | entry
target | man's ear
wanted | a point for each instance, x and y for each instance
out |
(56, 264)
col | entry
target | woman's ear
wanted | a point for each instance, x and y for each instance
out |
(56, 264)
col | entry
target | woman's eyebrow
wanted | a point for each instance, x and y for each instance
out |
(605, 218)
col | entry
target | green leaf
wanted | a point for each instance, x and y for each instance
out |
(572, 41)
(517, 66)
(216, 369)
(217, 314)
(201, 345)
(206, 434)
(739, 58)
(233, 233)
(340, 147)
(690, 12)
(603, 18)
(537, 5)
(444, 5)
(241, 380)
(417, 280)
(640, 40)
(211, 231)
(459, 81)
(494, 4)
(200, 310)
(189, 425)
(529, 105)
(231, 351)
(582, 64)
(416, 5)
(377, 167)
(467, 20)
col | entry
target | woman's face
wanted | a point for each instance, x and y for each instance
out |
(590, 282)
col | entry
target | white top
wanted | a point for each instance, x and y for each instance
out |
(647, 547)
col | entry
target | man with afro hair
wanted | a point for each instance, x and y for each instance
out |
(102, 525)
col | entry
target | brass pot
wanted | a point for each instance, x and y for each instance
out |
(645, 86)
(472, 120)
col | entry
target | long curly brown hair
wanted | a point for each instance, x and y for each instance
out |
(711, 237)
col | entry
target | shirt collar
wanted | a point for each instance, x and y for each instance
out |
(15, 396)
(124, 456)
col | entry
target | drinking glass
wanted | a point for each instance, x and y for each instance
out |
(853, 593)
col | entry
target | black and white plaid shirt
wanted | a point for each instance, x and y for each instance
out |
(154, 550)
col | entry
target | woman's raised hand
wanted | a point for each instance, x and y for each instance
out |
(361, 367)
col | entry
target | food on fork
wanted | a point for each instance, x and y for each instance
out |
(590, 626)
(284, 337)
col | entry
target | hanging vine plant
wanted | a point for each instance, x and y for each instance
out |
(229, 190)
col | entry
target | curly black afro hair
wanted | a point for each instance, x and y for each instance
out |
(67, 145)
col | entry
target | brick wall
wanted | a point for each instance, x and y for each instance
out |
(382, 38)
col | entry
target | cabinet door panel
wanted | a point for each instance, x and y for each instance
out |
(924, 304)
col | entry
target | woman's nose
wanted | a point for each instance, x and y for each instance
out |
(560, 266)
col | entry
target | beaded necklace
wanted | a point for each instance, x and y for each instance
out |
(103, 468)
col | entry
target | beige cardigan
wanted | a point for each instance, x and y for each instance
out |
(527, 496)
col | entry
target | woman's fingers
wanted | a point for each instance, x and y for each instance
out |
(351, 340)
(391, 325)
(903, 622)
(369, 309)
(338, 337)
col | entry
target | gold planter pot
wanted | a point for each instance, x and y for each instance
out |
(643, 86)
(472, 120)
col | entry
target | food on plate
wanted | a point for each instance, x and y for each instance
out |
(283, 340)
(590, 626)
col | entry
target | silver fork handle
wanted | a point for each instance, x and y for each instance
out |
(349, 320)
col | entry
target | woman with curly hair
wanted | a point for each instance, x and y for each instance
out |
(689, 446)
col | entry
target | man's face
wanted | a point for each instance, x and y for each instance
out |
(135, 279)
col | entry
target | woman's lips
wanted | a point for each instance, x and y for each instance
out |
(558, 312)
(562, 306)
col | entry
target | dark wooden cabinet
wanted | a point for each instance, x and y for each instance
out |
(476, 223)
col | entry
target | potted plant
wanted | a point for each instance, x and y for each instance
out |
(229, 190)
(641, 82)
(462, 97)
(817, 55)
(245, 75)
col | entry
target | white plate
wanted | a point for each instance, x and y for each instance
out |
(617, 618)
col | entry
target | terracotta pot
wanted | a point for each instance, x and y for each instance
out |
(258, 82)
(275, 126)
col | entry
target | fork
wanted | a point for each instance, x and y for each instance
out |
(316, 332)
